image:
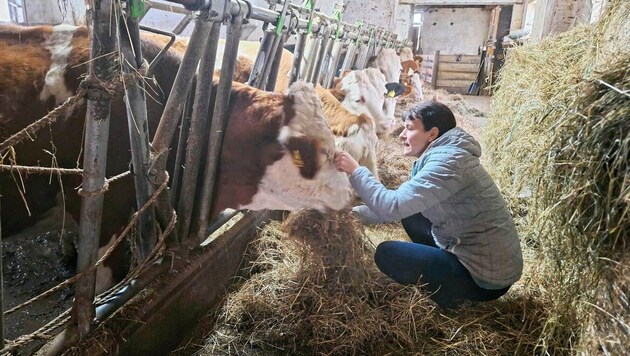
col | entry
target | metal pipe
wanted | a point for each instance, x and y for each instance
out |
(262, 57)
(196, 144)
(179, 91)
(334, 62)
(362, 57)
(219, 120)
(321, 54)
(128, 35)
(128, 291)
(298, 54)
(311, 58)
(163, 51)
(273, 74)
(325, 65)
(101, 68)
(180, 153)
(350, 54)
(269, 63)
(181, 26)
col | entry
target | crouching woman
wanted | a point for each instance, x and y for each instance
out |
(464, 242)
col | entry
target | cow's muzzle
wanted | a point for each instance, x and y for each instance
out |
(394, 89)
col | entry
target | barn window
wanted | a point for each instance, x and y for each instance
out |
(16, 11)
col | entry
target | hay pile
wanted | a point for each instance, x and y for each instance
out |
(559, 141)
(315, 290)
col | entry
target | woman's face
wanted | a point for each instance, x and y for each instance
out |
(415, 139)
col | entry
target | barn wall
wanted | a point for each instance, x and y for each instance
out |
(54, 12)
(452, 30)
(386, 14)
(556, 16)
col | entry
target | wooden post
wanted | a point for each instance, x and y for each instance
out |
(434, 74)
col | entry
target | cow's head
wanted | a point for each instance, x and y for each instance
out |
(365, 93)
(297, 162)
(388, 62)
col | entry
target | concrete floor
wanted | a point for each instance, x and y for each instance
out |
(481, 103)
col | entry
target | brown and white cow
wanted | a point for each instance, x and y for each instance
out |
(388, 62)
(277, 154)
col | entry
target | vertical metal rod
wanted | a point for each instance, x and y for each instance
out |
(256, 77)
(179, 91)
(178, 169)
(271, 57)
(321, 53)
(219, 120)
(135, 103)
(348, 61)
(298, 55)
(101, 68)
(310, 57)
(326, 58)
(173, 111)
(200, 116)
(334, 62)
(362, 57)
(272, 77)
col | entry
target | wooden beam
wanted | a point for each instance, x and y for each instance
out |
(460, 2)
(459, 67)
(434, 70)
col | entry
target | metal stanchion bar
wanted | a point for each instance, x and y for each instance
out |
(350, 55)
(273, 73)
(298, 55)
(321, 54)
(196, 136)
(256, 77)
(182, 142)
(332, 65)
(219, 121)
(180, 89)
(102, 68)
(129, 42)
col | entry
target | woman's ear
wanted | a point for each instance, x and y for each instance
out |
(433, 134)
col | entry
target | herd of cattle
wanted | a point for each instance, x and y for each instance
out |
(278, 148)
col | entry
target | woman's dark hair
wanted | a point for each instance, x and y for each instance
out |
(432, 114)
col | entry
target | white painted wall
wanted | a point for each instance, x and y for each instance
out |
(386, 14)
(55, 12)
(4, 11)
(454, 30)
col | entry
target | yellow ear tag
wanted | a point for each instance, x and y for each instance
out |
(297, 159)
(391, 94)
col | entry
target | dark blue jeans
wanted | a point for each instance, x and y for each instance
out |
(421, 261)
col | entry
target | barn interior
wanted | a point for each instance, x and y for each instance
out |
(543, 85)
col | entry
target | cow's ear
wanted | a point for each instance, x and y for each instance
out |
(303, 151)
(338, 94)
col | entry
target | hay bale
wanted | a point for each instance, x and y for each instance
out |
(558, 138)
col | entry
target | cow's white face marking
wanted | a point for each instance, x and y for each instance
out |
(60, 46)
(388, 62)
(282, 186)
(365, 94)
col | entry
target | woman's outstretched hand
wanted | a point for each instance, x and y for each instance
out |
(345, 162)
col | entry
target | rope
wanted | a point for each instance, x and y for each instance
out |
(91, 88)
(39, 170)
(47, 120)
(90, 269)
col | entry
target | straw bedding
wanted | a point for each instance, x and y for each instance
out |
(559, 141)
